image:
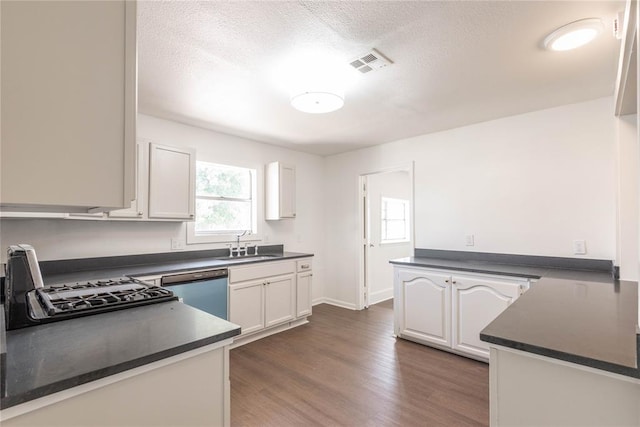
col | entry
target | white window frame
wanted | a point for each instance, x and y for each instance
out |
(213, 237)
(406, 219)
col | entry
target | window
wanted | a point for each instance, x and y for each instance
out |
(225, 202)
(394, 220)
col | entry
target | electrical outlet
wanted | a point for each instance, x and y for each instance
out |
(579, 247)
(177, 244)
(468, 239)
(266, 238)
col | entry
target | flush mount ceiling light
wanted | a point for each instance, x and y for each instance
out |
(317, 102)
(574, 35)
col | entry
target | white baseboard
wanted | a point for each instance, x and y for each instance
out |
(379, 296)
(335, 302)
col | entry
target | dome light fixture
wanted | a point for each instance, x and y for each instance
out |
(574, 35)
(317, 102)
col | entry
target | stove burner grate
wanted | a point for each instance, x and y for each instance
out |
(99, 295)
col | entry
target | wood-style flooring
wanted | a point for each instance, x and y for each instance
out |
(346, 368)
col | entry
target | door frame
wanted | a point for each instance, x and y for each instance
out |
(363, 220)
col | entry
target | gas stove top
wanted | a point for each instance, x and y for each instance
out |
(83, 298)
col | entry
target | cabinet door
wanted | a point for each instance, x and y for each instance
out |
(171, 182)
(280, 191)
(476, 302)
(68, 104)
(425, 306)
(136, 208)
(287, 191)
(279, 300)
(246, 305)
(303, 294)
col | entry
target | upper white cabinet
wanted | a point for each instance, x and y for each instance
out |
(448, 310)
(68, 105)
(172, 177)
(137, 206)
(280, 191)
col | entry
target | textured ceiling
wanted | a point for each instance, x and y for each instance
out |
(219, 65)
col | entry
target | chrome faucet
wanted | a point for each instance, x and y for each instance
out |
(238, 250)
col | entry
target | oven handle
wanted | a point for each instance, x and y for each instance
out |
(194, 276)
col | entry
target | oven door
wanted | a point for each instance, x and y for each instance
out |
(204, 290)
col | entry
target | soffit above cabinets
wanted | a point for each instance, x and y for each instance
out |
(218, 65)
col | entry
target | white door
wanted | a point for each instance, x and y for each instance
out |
(388, 230)
(476, 302)
(425, 306)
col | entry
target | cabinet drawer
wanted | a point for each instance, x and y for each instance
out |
(303, 265)
(263, 269)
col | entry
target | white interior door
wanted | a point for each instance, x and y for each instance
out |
(388, 230)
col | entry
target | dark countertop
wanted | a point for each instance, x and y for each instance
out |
(580, 316)
(588, 323)
(488, 267)
(45, 359)
(161, 267)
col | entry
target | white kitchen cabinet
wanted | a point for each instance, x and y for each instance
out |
(137, 206)
(304, 280)
(199, 387)
(475, 303)
(448, 310)
(280, 191)
(425, 300)
(279, 300)
(262, 295)
(172, 177)
(68, 105)
(246, 305)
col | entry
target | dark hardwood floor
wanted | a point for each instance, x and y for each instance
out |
(345, 368)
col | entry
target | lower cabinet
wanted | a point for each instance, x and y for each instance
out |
(303, 287)
(246, 306)
(475, 303)
(189, 389)
(259, 304)
(425, 307)
(447, 310)
(266, 295)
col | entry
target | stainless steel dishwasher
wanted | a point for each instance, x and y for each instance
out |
(205, 290)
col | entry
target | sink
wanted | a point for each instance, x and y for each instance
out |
(248, 258)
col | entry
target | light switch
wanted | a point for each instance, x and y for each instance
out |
(469, 239)
(579, 247)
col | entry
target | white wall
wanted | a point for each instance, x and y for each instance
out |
(527, 184)
(61, 239)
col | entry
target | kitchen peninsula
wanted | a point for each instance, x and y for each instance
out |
(576, 323)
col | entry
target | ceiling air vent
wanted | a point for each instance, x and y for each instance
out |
(370, 61)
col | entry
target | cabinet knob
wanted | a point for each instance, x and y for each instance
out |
(453, 281)
(446, 281)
